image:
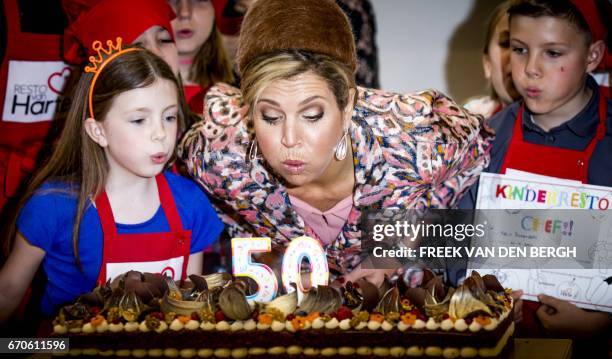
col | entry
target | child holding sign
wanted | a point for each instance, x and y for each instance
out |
(562, 127)
(103, 204)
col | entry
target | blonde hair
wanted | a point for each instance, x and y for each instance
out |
(283, 65)
(77, 160)
(496, 16)
(211, 64)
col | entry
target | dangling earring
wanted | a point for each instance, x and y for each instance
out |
(342, 147)
(252, 154)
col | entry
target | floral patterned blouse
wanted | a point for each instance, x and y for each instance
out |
(411, 151)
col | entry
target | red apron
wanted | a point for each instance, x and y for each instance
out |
(194, 95)
(164, 252)
(32, 78)
(552, 161)
(605, 90)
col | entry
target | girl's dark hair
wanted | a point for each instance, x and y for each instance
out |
(561, 9)
(77, 160)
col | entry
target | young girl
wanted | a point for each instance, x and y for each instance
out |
(202, 59)
(103, 204)
(496, 66)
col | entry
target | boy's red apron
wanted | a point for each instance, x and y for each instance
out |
(164, 252)
(551, 161)
(32, 78)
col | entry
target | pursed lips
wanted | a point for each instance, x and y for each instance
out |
(159, 157)
(294, 166)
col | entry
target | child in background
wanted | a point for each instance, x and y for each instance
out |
(599, 18)
(202, 59)
(562, 128)
(496, 65)
(138, 22)
(103, 204)
(30, 54)
(229, 15)
(562, 121)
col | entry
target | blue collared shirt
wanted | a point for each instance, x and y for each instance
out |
(575, 134)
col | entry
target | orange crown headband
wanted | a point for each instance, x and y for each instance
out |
(112, 52)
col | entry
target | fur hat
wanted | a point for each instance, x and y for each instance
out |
(317, 26)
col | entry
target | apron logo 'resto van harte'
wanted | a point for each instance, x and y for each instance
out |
(34, 90)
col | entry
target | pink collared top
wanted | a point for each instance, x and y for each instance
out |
(327, 225)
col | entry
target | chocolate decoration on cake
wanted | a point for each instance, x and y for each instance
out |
(492, 283)
(370, 294)
(233, 303)
(390, 302)
(212, 317)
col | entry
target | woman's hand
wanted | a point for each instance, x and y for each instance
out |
(564, 318)
(374, 276)
(518, 305)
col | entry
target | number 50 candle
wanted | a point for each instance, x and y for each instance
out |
(298, 249)
(242, 248)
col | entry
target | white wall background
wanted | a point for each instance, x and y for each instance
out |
(432, 44)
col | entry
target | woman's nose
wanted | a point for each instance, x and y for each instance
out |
(290, 135)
